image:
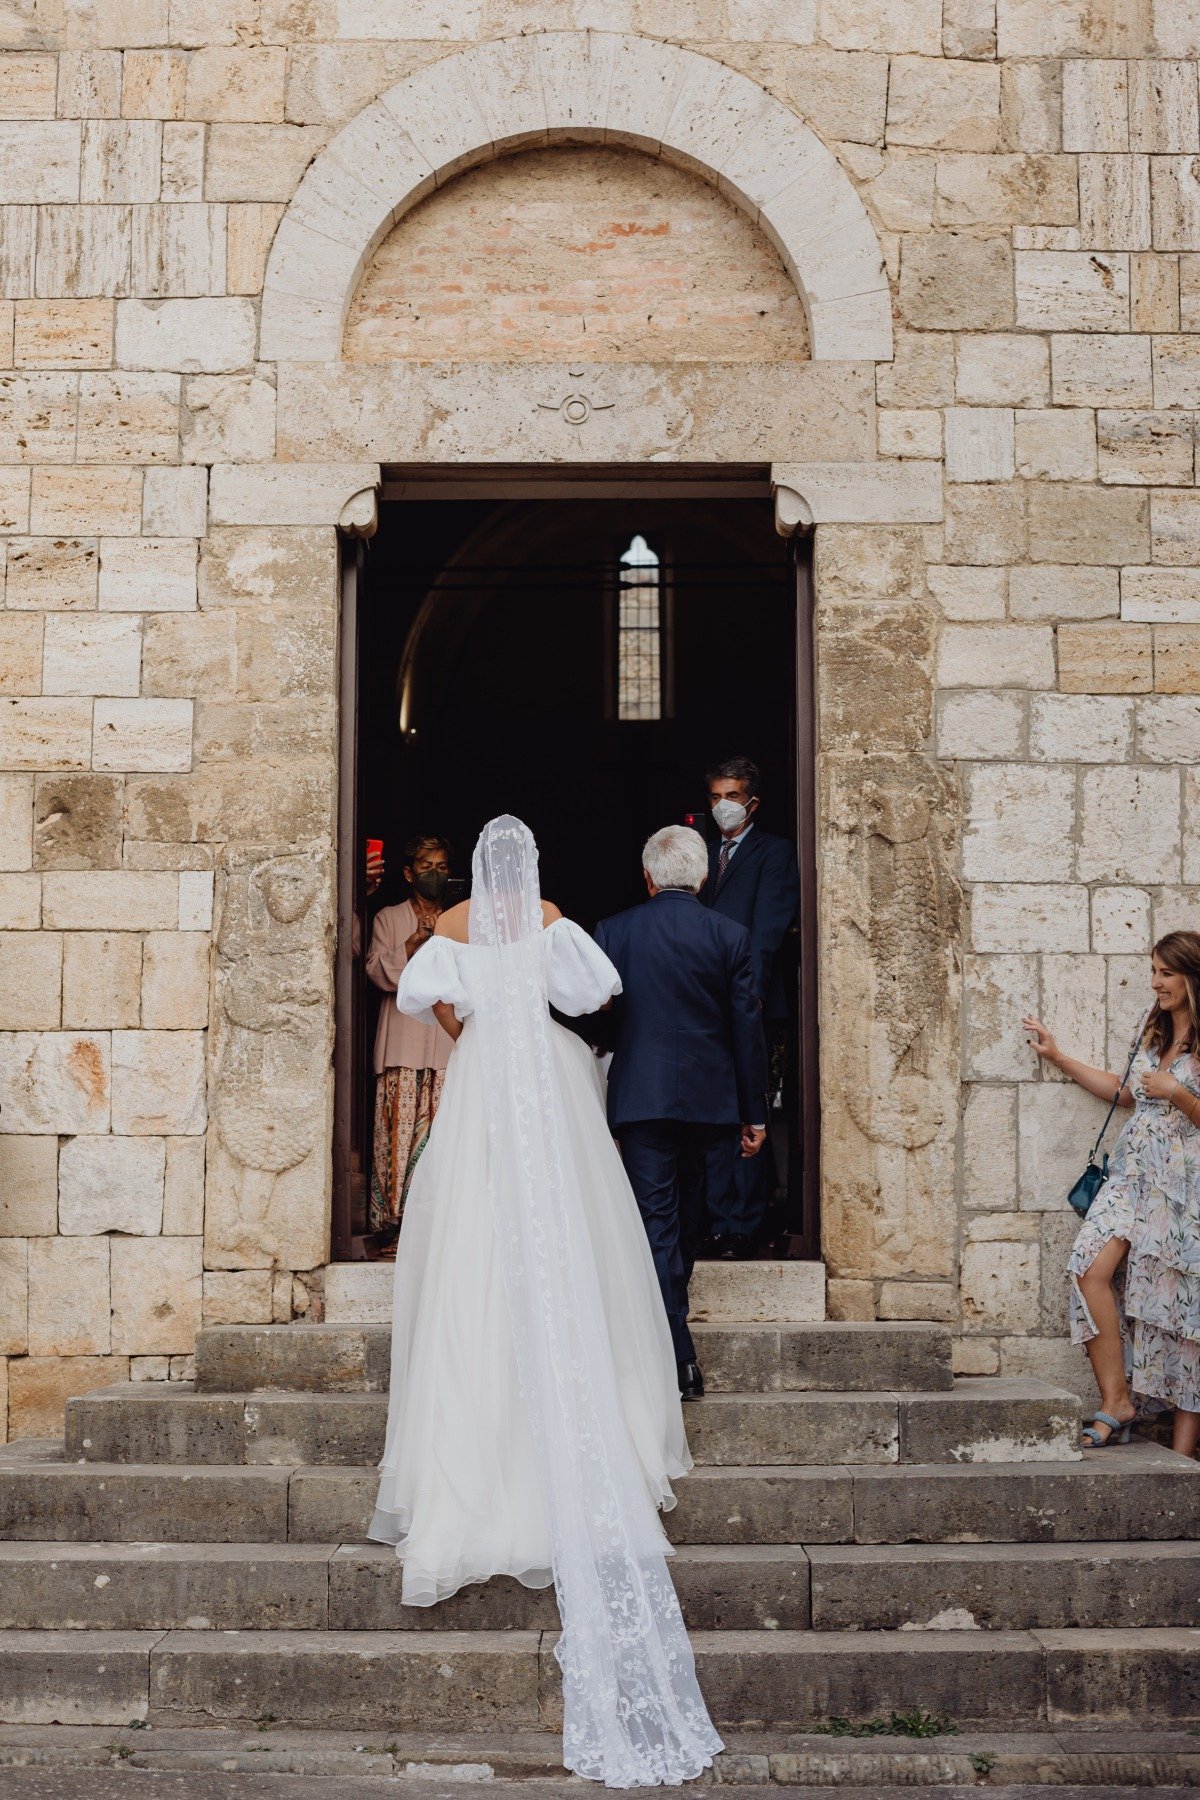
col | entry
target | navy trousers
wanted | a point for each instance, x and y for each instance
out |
(739, 1188)
(665, 1162)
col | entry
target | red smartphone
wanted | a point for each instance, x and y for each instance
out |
(374, 849)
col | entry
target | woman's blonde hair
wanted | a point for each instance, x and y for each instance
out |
(1180, 951)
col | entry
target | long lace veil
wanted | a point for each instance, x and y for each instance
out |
(633, 1715)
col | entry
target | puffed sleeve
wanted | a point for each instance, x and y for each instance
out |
(579, 977)
(433, 974)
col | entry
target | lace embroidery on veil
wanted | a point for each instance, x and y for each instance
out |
(633, 1714)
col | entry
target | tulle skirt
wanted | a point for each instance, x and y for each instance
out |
(458, 1493)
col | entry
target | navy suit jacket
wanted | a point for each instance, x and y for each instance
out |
(761, 890)
(688, 1041)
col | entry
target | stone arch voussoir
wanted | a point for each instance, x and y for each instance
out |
(581, 87)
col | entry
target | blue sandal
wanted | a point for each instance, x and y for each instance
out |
(1118, 1431)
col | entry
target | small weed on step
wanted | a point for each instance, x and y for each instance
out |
(914, 1724)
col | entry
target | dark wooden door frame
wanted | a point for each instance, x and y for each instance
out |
(808, 996)
(346, 975)
(546, 484)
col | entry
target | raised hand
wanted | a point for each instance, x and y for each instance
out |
(1041, 1041)
(427, 918)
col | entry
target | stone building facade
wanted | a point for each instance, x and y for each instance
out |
(931, 266)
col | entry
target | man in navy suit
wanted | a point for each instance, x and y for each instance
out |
(689, 1059)
(752, 877)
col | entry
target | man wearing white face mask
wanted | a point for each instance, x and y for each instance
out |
(752, 877)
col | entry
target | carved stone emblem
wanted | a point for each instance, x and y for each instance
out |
(576, 407)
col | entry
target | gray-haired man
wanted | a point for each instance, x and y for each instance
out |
(689, 1058)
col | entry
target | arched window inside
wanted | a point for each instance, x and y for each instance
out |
(640, 633)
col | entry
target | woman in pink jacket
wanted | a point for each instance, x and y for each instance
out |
(410, 1058)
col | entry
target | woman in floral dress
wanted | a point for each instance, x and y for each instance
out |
(1135, 1264)
(410, 1059)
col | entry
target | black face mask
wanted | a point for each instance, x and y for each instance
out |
(431, 883)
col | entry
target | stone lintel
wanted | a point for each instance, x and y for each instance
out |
(406, 412)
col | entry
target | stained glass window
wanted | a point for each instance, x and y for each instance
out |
(639, 633)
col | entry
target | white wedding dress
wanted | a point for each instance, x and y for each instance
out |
(534, 1422)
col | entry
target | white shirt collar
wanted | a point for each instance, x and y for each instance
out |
(742, 835)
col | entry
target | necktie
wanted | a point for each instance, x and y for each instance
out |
(722, 866)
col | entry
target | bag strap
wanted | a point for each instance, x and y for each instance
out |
(1133, 1050)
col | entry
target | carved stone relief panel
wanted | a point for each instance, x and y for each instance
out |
(890, 908)
(268, 1153)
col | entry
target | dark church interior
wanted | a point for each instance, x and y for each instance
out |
(579, 663)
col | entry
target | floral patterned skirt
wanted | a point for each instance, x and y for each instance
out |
(406, 1101)
(1156, 1302)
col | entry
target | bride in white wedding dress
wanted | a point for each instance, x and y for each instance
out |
(534, 1421)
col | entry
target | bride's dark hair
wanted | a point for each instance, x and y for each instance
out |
(1180, 952)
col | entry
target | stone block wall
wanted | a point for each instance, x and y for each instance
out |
(1007, 569)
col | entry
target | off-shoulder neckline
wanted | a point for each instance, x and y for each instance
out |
(467, 944)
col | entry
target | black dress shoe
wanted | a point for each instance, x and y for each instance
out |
(737, 1247)
(715, 1248)
(691, 1381)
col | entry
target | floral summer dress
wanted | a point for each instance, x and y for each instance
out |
(1152, 1199)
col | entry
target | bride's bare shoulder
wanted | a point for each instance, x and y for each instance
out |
(453, 922)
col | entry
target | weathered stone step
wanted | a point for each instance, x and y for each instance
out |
(349, 1587)
(715, 1506)
(1086, 1502)
(335, 1359)
(357, 1587)
(145, 1422)
(976, 1421)
(134, 1587)
(1003, 1587)
(849, 1357)
(730, 1292)
(44, 1498)
(736, 1358)
(447, 1680)
(74, 1678)
(1042, 1757)
(1144, 1492)
(1153, 1494)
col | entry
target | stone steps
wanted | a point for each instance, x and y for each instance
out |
(1003, 1587)
(736, 1357)
(975, 1421)
(357, 1587)
(1143, 1492)
(389, 1682)
(349, 1587)
(787, 1292)
(860, 1534)
(1042, 1758)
